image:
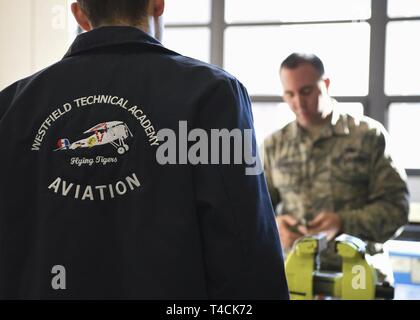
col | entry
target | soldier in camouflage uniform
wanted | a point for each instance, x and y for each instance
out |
(330, 172)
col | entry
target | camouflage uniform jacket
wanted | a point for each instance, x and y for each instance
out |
(346, 169)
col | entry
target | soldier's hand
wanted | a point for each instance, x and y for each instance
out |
(285, 225)
(327, 222)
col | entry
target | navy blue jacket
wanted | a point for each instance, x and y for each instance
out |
(80, 186)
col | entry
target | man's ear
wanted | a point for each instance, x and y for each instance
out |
(159, 8)
(327, 83)
(80, 17)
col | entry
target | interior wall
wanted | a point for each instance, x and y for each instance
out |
(33, 35)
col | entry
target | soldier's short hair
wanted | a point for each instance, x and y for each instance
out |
(111, 11)
(296, 59)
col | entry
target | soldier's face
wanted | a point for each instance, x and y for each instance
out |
(302, 92)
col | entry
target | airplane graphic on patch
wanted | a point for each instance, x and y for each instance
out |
(114, 133)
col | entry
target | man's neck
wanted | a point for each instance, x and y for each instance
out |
(142, 25)
(149, 25)
(315, 130)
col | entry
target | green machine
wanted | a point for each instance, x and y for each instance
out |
(357, 281)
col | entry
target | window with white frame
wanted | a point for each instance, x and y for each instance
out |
(369, 49)
(402, 79)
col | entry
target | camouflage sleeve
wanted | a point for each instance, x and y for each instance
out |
(267, 150)
(387, 206)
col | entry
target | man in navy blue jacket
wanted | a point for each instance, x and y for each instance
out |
(88, 207)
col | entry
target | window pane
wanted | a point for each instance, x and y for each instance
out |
(296, 10)
(403, 8)
(404, 130)
(192, 42)
(254, 54)
(402, 75)
(270, 117)
(354, 109)
(187, 11)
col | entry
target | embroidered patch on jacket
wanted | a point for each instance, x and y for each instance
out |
(113, 133)
(95, 160)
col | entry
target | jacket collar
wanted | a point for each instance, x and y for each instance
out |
(112, 36)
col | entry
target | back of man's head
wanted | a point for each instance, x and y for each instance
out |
(297, 59)
(109, 12)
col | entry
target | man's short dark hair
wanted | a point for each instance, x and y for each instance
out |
(297, 59)
(110, 11)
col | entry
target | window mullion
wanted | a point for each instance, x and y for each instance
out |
(378, 102)
(217, 27)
